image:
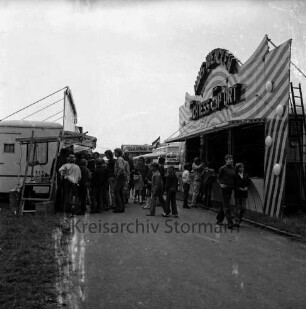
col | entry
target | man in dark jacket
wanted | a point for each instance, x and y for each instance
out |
(111, 176)
(61, 160)
(100, 185)
(130, 181)
(226, 181)
(162, 170)
(84, 185)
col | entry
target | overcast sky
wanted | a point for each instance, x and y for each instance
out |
(130, 63)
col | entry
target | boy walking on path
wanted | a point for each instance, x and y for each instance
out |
(157, 190)
(241, 183)
(170, 188)
(226, 181)
(197, 181)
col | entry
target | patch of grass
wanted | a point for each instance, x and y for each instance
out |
(28, 268)
(294, 224)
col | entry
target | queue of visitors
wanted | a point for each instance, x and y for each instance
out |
(90, 180)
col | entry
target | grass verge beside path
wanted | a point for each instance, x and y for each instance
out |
(294, 224)
(28, 268)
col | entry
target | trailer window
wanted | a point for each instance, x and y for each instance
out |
(40, 155)
(9, 148)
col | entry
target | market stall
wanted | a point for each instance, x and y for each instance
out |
(245, 110)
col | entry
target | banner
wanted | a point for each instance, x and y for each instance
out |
(70, 114)
(156, 143)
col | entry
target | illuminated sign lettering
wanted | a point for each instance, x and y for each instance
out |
(222, 98)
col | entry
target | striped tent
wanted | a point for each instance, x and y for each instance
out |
(256, 104)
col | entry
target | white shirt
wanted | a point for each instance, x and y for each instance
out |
(119, 168)
(71, 172)
(186, 176)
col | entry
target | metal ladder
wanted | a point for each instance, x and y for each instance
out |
(50, 185)
(298, 111)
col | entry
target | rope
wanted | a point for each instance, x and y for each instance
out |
(33, 103)
(58, 119)
(53, 115)
(42, 109)
(184, 129)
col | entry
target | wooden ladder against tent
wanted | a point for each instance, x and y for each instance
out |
(297, 131)
(36, 190)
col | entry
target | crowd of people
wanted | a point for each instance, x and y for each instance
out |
(88, 179)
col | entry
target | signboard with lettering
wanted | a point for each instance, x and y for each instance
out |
(222, 97)
(137, 148)
(222, 57)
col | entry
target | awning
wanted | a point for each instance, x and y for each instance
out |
(69, 138)
(155, 155)
(202, 131)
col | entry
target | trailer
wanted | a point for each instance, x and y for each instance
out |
(13, 157)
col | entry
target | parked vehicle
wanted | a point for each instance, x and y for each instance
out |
(13, 156)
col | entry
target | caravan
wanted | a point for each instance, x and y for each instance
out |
(13, 156)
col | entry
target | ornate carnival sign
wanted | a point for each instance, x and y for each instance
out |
(216, 57)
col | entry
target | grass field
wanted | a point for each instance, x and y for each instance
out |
(28, 269)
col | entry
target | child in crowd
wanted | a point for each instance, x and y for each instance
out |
(209, 177)
(148, 182)
(197, 168)
(157, 189)
(226, 181)
(170, 188)
(241, 182)
(186, 184)
(138, 185)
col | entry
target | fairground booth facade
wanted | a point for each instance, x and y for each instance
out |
(247, 110)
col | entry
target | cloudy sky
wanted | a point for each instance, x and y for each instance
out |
(130, 63)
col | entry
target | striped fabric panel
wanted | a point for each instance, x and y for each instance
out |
(260, 52)
(221, 77)
(274, 185)
(259, 103)
(277, 128)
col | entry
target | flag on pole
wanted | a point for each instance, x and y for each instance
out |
(156, 143)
